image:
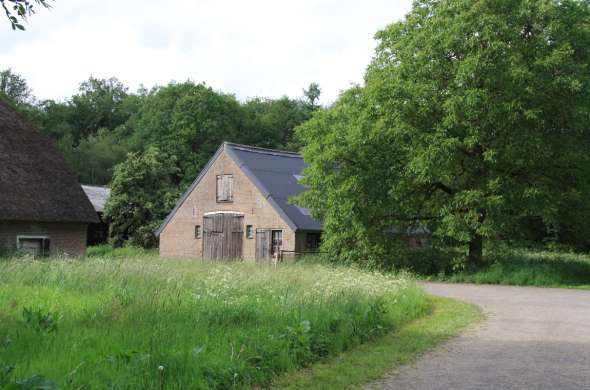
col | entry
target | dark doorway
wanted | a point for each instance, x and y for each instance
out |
(98, 233)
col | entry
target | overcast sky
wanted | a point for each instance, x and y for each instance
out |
(264, 48)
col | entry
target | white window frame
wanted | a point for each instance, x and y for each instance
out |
(29, 237)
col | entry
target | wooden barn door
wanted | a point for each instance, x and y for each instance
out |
(222, 236)
(263, 245)
(234, 239)
(213, 237)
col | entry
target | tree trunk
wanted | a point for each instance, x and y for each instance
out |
(476, 251)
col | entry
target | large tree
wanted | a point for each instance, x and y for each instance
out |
(188, 121)
(14, 87)
(95, 158)
(271, 122)
(100, 103)
(143, 192)
(312, 96)
(474, 114)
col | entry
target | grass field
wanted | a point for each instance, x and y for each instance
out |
(527, 267)
(129, 321)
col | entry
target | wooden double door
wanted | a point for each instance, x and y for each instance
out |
(223, 235)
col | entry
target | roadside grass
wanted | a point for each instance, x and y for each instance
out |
(526, 267)
(373, 360)
(109, 321)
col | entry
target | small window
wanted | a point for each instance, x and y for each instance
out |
(198, 231)
(34, 246)
(225, 188)
(249, 231)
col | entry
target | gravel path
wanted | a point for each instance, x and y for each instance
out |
(533, 338)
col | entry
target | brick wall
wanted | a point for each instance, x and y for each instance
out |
(68, 238)
(178, 238)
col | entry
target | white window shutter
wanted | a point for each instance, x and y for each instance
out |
(230, 187)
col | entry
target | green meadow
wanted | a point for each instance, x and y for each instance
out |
(133, 320)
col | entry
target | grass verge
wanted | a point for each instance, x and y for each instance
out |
(373, 360)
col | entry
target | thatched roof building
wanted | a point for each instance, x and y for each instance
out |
(39, 194)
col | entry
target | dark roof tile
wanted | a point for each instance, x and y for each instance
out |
(276, 174)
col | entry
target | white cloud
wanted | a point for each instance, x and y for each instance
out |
(249, 48)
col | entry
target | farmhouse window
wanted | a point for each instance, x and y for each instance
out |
(198, 231)
(33, 245)
(249, 231)
(225, 187)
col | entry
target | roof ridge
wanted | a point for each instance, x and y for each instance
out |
(94, 185)
(264, 150)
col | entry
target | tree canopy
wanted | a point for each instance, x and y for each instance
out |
(14, 87)
(17, 11)
(473, 116)
(143, 191)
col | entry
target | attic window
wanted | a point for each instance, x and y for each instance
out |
(225, 188)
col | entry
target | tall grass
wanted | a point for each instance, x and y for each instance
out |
(126, 252)
(142, 322)
(527, 267)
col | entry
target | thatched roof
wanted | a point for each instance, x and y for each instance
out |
(36, 183)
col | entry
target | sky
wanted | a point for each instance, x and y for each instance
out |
(255, 48)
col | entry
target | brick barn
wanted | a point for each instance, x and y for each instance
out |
(237, 208)
(43, 209)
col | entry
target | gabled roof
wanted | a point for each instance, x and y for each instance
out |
(275, 173)
(36, 183)
(97, 195)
